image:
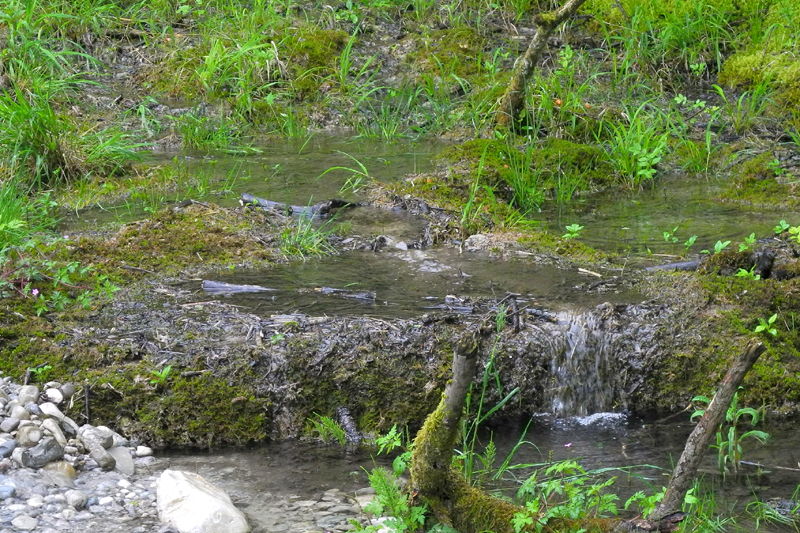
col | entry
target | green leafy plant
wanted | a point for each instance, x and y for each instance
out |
(729, 439)
(669, 236)
(41, 372)
(689, 243)
(781, 227)
(573, 231)
(749, 241)
(767, 325)
(160, 376)
(749, 274)
(565, 491)
(392, 502)
(328, 429)
(718, 247)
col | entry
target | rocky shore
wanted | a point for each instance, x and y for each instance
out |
(57, 476)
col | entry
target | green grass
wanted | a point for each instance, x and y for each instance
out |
(302, 239)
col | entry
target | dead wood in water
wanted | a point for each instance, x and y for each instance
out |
(320, 209)
(698, 442)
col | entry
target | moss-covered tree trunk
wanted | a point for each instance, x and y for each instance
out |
(513, 101)
(455, 502)
(450, 497)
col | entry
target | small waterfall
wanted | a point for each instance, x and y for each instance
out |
(584, 369)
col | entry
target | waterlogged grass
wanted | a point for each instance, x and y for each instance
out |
(305, 239)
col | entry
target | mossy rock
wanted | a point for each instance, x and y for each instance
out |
(173, 239)
(758, 183)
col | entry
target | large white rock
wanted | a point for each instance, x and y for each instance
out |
(190, 504)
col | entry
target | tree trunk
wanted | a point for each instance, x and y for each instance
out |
(698, 442)
(451, 498)
(513, 101)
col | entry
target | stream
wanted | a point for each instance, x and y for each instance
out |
(410, 282)
(639, 454)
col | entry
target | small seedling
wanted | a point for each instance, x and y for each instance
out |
(719, 246)
(748, 242)
(794, 231)
(160, 376)
(767, 325)
(41, 372)
(669, 236)
(276, 338)
(749, 274)
(781, 227)
(573, 230)
(689, 242)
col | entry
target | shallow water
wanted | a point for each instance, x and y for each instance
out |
(305, 470)
(408, 283)
(634, 222)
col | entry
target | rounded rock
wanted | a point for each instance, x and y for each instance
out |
(7, 491)
(143, 451)
(76, 498)
(20, 413)
(33, 409)
(28, 394)
(9, 424)
(29, 436)
(55, 396)
(67, 389)
(25, 522)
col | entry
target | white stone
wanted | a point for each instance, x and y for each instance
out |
(25, 522)
(54, 395)
(106, 500)
(36, 501)
(143, 451)
(28, 394)
(55, 430)
(77, 498)
(123, 459)
(50, 410)
(123, 483)
(190, 504)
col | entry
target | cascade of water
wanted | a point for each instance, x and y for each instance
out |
(583, 366)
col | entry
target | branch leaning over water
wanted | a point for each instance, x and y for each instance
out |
(697, 443)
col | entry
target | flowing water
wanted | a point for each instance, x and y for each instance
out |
(639, 454)
(408, 283)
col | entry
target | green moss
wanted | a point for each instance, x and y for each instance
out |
(312, 53)
(759, 182)
(716, 320)
(453, 50)
(547, 243)
(771, 55)
(174, 239)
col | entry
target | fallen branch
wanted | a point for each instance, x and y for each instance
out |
(698, 442)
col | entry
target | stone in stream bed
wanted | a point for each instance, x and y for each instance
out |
(47, 451)
(123, 460)
(190, 504)
(28, 436)
(7, 447)
(9, 424)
